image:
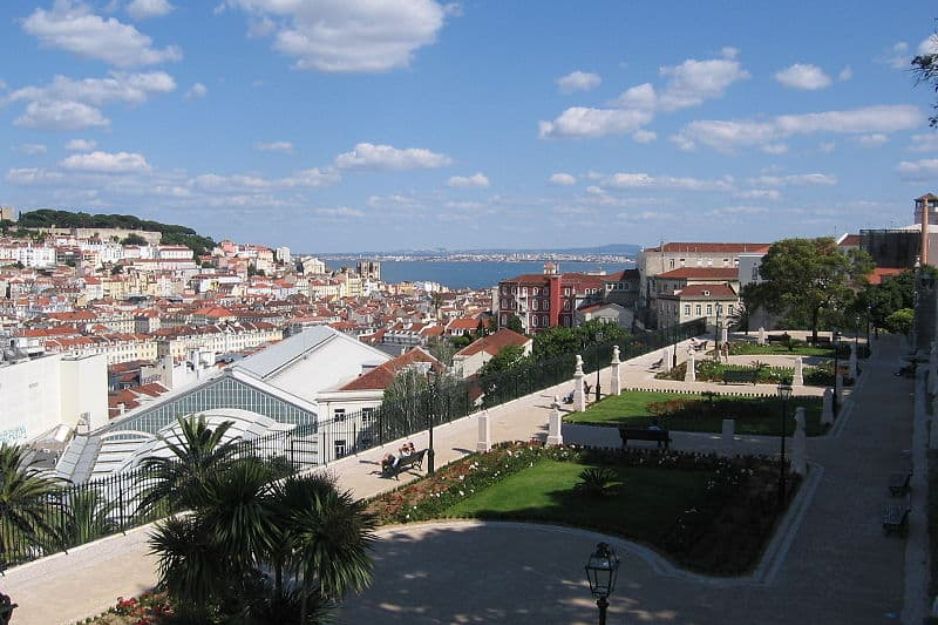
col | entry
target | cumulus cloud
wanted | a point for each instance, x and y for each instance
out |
(692, 82)
(640, 180)
(872, 140)
(81, 145)
(69, 104)
(66, 115)
(897, 56)
(759, 194)
(795, 180)
(284, 147)
(562, 179)
(845, 74)
(924, 143)
(475, 181)
(341, 212)
(106, 163)
(727, 136)
(386, 157)
(578, 81)
(25, 176)
(925, 169)
(588, 122)
(197, 92)
(347, 35)
(803, 76)
(72, 26)
(145, 9)
(32, 149)
(644, 136)
(929, 45)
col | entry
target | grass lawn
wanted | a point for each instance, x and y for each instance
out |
(643, 505)
(761, 416)
(753, 349)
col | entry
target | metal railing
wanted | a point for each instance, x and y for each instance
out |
(81, 513)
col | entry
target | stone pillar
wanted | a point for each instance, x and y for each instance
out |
(798, 378)
(616, 371)
(827, 410)
(666, 360)
(799, 463)
(761, 339)
(691, 374)
(485, 433)
(727, 434)
(724, 335)
(852, 362)
(555, 425)
(579, 396)
(839, 379)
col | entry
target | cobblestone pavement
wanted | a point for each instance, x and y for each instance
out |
(840, 568)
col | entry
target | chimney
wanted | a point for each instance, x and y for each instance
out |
(121, 408)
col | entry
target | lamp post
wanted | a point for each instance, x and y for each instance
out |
(835, 341)
(431, 390)
(784, 392)
(601, 571)
(599, 364)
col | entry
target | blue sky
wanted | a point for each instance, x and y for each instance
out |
(345, 125)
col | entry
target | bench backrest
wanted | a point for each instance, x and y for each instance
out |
(731, 374)
(413, 458)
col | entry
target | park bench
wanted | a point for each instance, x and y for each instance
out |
(644, 434)
(822, 341)
(778, 338)
(895, 517)
(657, 365)
(899, 483)
(404, 463)
(700, 347)
(736, 376)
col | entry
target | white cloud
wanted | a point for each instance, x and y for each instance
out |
(341, 212)
(562, 179)
(582, 121)
(578, 81)
(63, 115)
(924, 143)
(73, 27)
(897, 56)
(775, 148)
(386, 157)
(32, 149)
(644, 136)
(726, 211)
(692, 82)
(642, 97)
(631, 180)
(928, 46)
(145, 9)
(729, 135)
(873, 140)
(197, 92)
(106, 163)
(347, 35)
(845, 74)
(31, 175)
(312, 178)
(759, 194)
(926, 169)
(284, 147)
(803, 76)
(795, 180)
(475, 181)
(81, 145)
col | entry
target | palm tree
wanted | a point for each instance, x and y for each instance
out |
(198, 454)
(88, 516)
(26, 499)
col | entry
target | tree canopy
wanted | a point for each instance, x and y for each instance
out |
(810, 282)
(925, 68)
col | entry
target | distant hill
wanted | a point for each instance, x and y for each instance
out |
(172, 234)
(613, 249)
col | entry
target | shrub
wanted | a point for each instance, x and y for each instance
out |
(596, 481)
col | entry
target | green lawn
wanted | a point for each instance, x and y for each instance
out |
(761, 416)
(753, 349)
(643, 506)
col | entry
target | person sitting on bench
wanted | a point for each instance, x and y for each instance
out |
(568, 398)
(389, 462)
(586, 387)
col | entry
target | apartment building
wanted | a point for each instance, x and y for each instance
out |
(547, 300)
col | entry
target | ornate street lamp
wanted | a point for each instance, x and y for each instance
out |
(431, 391)
(599, 364)
(601, 571)
(784, 393)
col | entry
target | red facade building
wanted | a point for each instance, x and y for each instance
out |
(546, 300)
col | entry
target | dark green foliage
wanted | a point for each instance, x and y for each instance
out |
(514, 324)
(172, 234)
(28, 501)
(925, 68)
(596, 481)
(900, 322)
(133, 239)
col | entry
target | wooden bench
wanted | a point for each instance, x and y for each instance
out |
(403, 464)
(736, 376)
(644, 434)
(700, 347)
(778, 338)
(895, 518)
(822, 341)
(656, 365)
(899, 483)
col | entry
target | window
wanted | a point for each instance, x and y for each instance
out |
(533, 321)
(686, 309)
(683, 261)
(566, 305)
(672, 264)
(534, 305)
(546, 304)
(340, 448)
(535, 291)
(546, 290)
(545, 321)
(730, 309)
(368, 416)
(698, 309)
(504, 290)
(524, 290)
(709, 309)
(726, 262)
(504, 320)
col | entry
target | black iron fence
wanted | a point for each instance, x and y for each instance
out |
(81, 513)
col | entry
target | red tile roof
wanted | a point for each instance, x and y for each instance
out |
(881, 273)
(701, 273)
(494, 343)
(381, 377)
(850, 240)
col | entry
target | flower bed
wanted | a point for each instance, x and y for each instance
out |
(147, 609)
(712, 371)
(723, 534)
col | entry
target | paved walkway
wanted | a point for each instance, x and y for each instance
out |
(842, 539)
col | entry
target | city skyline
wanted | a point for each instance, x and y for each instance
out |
(343, 126)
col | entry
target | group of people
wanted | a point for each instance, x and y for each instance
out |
(391, 461)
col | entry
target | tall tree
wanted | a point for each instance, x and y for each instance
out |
(810, 281)
(26, 499)
(925, 68)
